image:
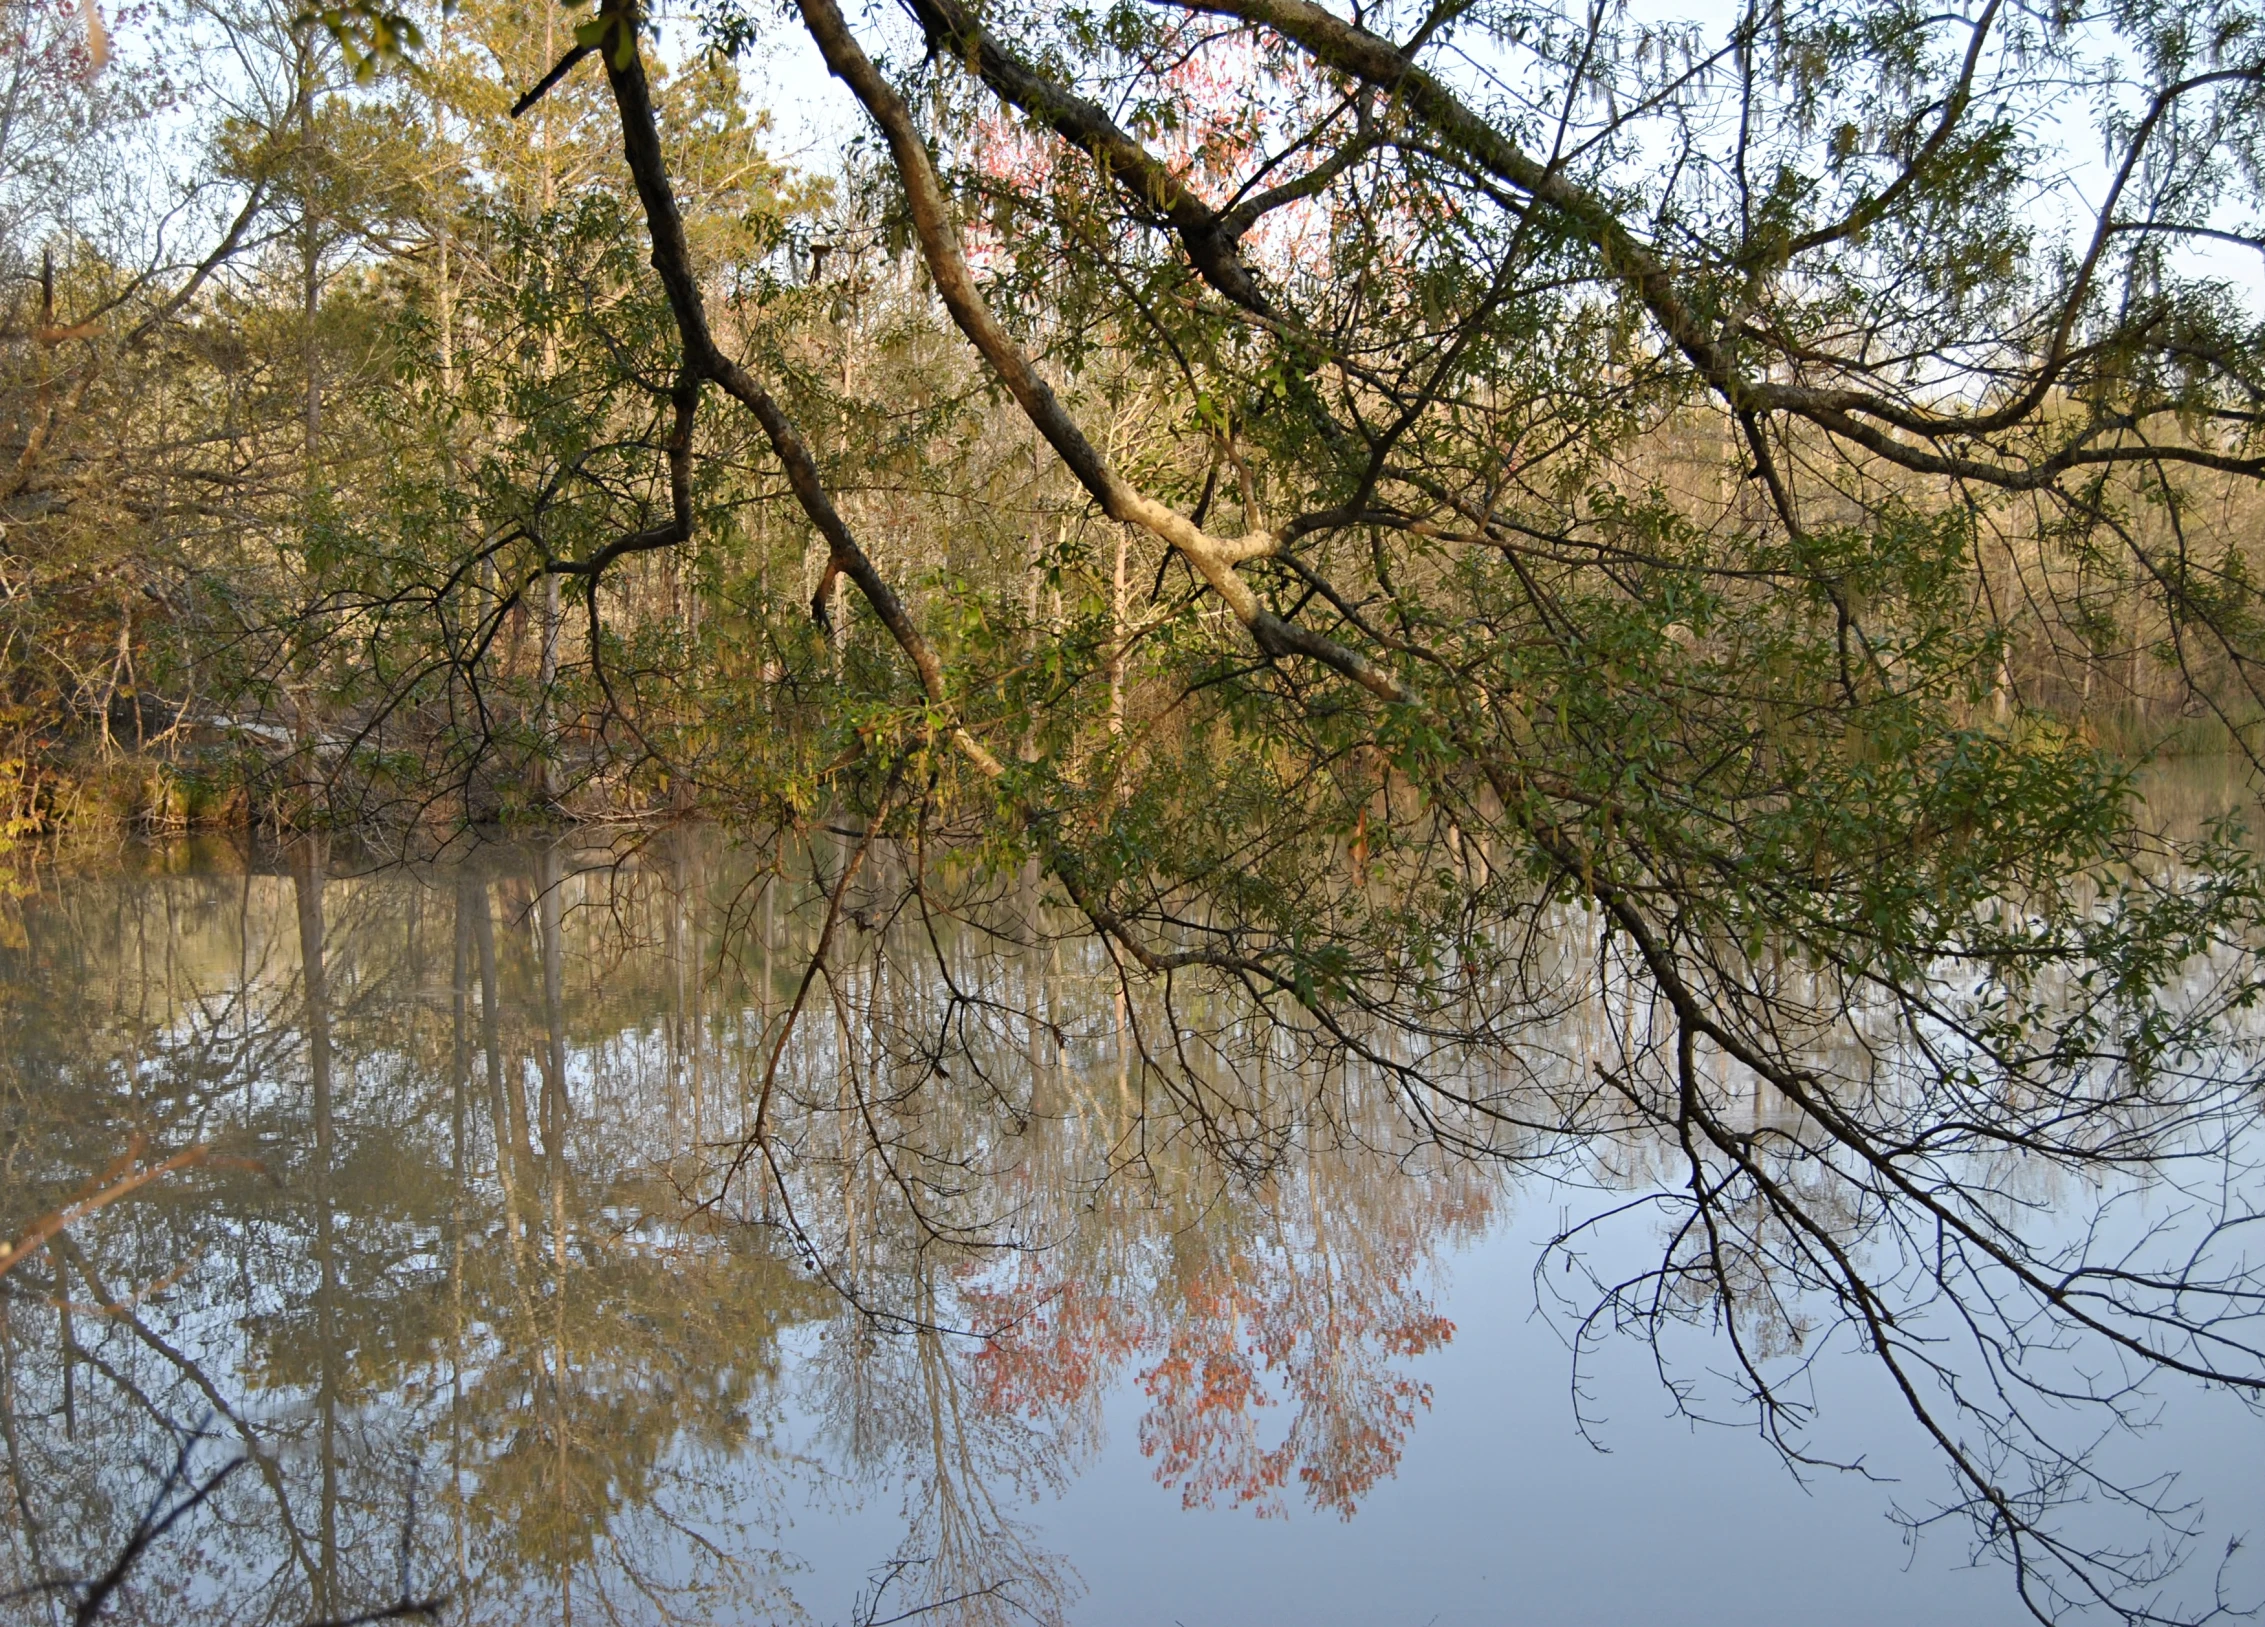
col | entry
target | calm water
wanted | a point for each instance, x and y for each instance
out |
(481, 1283)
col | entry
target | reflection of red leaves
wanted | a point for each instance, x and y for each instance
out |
(1247, 1330)
(1201, 1430)
(1206, 1443)
(1414, 1338)
(1313, 1322)
(1057, 1343)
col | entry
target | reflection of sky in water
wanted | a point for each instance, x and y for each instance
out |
(1499, 1513)
(1487, 1507)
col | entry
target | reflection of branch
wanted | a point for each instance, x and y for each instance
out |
(197, 1377)
(424, 1609)
(156, 1520)
(861, 1614)
(120, 1180)
(995, 1590)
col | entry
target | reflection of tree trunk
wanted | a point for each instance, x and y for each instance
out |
(559, 1370)
(845, 1128)
(244, 988)
(260, 1454)
(694, 963)
(67, 1349)
(673, 956)
(17, 1479)
(685, 963)
(460, 1081)
(748, 1074)
(547, 914)
(460, 1034)
(307, 883)
(968, 1547)
(507, 1108)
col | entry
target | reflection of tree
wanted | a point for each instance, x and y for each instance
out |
(961, 1099)
(1332, 1336)
(377, 1304)
(1840, 1163)
(908, 1415)
(515, 1261)
(475, 1271)
(1297, 1305)
(641, 1365)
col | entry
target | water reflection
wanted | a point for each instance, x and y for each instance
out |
(499, 1296)
(479, 1295)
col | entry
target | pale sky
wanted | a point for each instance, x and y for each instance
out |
(813, 114)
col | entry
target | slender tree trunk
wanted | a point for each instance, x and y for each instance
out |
(1117, 634)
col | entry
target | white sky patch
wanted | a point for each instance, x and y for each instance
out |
(814, 117)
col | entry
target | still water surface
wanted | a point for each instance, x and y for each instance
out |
(481, 1284)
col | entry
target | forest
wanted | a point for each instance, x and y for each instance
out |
(1391, 528)
(426, 436)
